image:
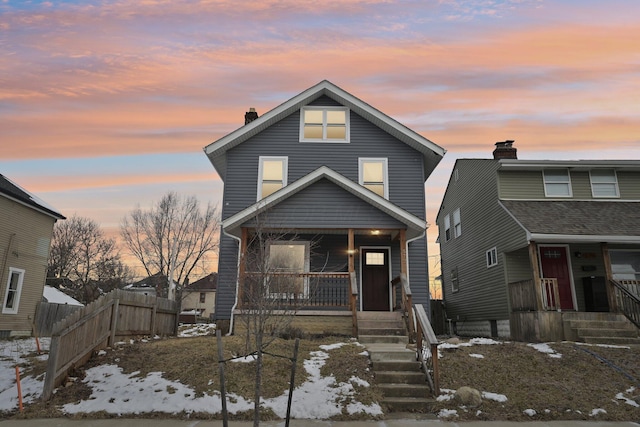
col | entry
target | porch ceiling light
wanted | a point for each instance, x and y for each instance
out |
(375, 232)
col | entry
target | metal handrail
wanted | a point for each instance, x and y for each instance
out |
(427, 349)
(628, 303)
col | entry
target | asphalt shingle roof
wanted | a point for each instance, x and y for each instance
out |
(8, 188)
(588, 218)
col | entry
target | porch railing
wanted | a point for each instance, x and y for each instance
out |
(353, 302)
(321, 290)
(405, 303)
(632, 286)
(523, 295)
(628, 303)
(427, 349)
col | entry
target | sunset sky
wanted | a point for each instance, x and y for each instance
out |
(106, 104)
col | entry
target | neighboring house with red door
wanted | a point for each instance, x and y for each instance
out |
(341, 187)
(534, 249)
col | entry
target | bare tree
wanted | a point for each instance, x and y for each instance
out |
(84, 259)
(274, 289)
(173, 237)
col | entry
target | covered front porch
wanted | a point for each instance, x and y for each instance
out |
(550, 283)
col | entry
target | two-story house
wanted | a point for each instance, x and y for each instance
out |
(343, 184)
(534, 250)
(26, 227)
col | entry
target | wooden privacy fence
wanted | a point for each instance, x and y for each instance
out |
(116, 314)
(48, 314)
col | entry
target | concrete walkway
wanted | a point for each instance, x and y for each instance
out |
(126, 422)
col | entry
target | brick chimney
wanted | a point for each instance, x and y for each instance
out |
(250, 116)
(505, 150)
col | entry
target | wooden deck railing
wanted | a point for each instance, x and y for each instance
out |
(353, 302)
(632, 286)
(523, 295)
(628, 303)
(116, 314)
(305, 291)
(427, 349)
(405, 304)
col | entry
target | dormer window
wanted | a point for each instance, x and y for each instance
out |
(557, 183)
(324, 124)
(604, 183)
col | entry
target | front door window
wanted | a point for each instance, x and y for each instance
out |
(555, 265)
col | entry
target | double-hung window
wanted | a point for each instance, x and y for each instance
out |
(324, 124)
(447, 228)
(455, 285)
(557, 183)
(374, 175)
(272, 175)
(14, 289)
(457, 226)
(492, 257)
(604, 183)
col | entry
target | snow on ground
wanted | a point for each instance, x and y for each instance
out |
(12, 353)
(197, 329)
(544, 348)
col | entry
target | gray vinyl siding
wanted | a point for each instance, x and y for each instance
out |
(482, 291)
(581, 185)
(629, 184)
(419, 273)
(325, 205)
(406, 188)
(521, 184)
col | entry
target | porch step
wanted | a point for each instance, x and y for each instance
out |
(398, 375)
(386, 339)
(600, 328)
(374, 323)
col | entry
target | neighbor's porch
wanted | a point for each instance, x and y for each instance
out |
(597, 279)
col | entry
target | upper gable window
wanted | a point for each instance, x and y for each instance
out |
(374, 175)
(604, 183)
(457, 225)
(557, 183)
(324, 124)
(272, 175)
(447, 228)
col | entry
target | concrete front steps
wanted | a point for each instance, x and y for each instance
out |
(395, 366)
(599, 328)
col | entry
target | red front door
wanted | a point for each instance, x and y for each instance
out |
(375, 279)
(556, 265)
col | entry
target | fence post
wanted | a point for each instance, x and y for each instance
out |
(154, 312)
(114, 322)
(52, 367)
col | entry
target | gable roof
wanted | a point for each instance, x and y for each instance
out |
(13, 191)
(415, 226)
(207, 283)
(216, 151)
(578, 221)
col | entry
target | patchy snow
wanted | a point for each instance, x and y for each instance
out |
(530, 412)
(197, 329)
(477, 356)
(447, 413)
(597, 411)
(494, 396)
(621, 396)
(246, 359)
(12, 353)
(545, 348)
(602, 345)
(56, 296)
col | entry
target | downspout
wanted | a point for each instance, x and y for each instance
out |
(235, 303)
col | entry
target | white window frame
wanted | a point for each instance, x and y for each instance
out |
(548, 180)
(18, 291)
(614, 182)
(307, 265)
(447, 228)
(385, 172)
(492, 257)
(455, 280)
(285, 169)
(324, 138)
(457, 225)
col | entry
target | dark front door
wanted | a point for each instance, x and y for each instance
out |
(375, 279)
(556, 265)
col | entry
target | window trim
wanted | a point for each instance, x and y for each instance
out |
(492, 257)
(447, 228)
(614, 182)
(306, 269)
(568, 183)
(18, 291)
(324, 138)
(455, 280)
(457, 226)
(385, 172)
(285, 172)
